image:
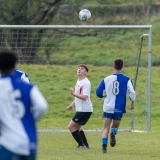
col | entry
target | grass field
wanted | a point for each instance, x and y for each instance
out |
(133, 146)
(54, 82)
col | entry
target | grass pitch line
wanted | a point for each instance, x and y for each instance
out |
(94, 130)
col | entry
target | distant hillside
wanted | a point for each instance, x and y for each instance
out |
(107, 14)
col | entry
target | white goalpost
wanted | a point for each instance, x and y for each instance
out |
(95, 45)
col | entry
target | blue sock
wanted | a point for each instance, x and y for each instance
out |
(115, 130)
(105, 141)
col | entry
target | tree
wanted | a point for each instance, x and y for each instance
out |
(26, 12)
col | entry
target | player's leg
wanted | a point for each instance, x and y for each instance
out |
(114, 128)
(74, 129)
(85, 118)
(84, 139)
(107, 121)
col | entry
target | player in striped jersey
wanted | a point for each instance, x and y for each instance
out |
(21, 75)
(22, 104)
(115, 88)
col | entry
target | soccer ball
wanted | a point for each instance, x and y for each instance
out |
(84, 14)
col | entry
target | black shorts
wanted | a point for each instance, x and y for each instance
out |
(81, 117)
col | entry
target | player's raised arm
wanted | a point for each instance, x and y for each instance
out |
(80, 96)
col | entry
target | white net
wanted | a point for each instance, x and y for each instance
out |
(95, 46)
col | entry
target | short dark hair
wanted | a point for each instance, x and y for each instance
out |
(83, 65)
(8, 60)
(118, 63)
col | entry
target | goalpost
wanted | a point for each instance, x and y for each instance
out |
(94, 44)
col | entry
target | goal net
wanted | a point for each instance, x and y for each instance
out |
(64, 47)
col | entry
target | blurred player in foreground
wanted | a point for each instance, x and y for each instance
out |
(115, 86)
(83, 106)
(21, 106)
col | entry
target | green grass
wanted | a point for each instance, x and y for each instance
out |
(54, 82)
(61, 146)
(101, 46)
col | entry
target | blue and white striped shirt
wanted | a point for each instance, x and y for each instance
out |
(115, 86)
(21, 104)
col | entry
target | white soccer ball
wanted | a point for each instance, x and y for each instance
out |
(84, 14)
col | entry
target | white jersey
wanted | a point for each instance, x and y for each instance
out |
(83, 87)
(18, 128)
